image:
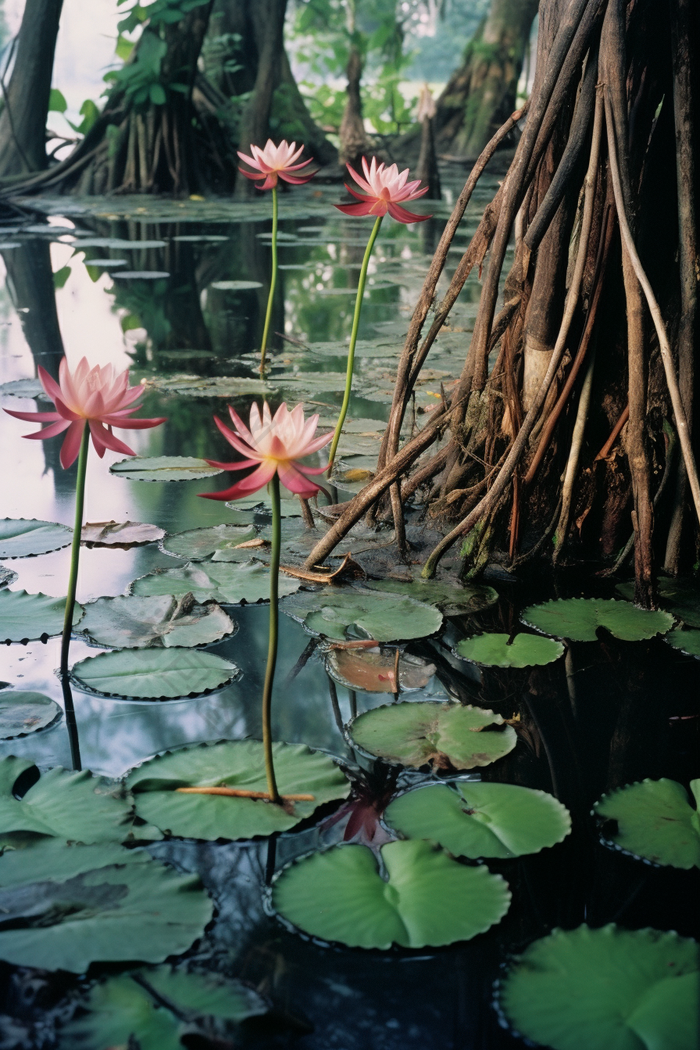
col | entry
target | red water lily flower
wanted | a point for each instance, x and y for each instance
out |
(275, 162)
(383, 189)
(97, 396)
(274, 444)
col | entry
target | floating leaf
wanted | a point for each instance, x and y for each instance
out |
(29, 617)
(428, 733)
(579, 619)
(209, 386)
(154, 674)
(339, 612)
(497, 650)
(69, 906)
(124, 1010)
(163, 468)
(7, 576)
(106, 264)
(608, 987)
(428, 898)
(235, 286)
(131, 622)
(195, 238)
(681, 596)
(115, 242)
(25, 712)
(654, 820)
(373, 670)
(124, 534)
(450, 598)
(227, 582)
(141, 275)
(24, 537)
(23, 387)
(481, 819)
(687, 639)
(233, 764)
(199, 544)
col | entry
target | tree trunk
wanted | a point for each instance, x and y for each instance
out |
(353, 140)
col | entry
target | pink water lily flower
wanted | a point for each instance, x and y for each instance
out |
(275, 162)
(97, 396)
(383, 188)
(274, 444)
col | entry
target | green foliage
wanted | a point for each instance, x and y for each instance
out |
(131, 622)
(497, 650)
(154, 674)
(654, 820)
(57, 101)
(23, 712)
(351, 612)
(578, 619)
(27, 537)
(28, 617)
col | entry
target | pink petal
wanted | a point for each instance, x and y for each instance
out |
(33, 417)
(354, 209)
(50, 385)
(131, 424)
(249, 174)
(358, 178)
(269, 183)
(296, 180)
(236, 442)
(233, 466)
(102, 439)
(246, 486)
(250, 161)
(240, 425)
(317, 443)
(401, 215)
(311, 470)
(295, 481)
(359, 196)
(51, 431)
(71, 443)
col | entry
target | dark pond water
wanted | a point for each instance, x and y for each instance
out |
(609, 714)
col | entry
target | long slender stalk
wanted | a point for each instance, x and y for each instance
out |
(353, 341)
(272, 643)
(71, 723)
(273, 282)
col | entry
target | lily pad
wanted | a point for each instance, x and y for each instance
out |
(153, 1008)
(209, 386)
(497, 650)
(687, 639)
(226, 582)
(163, 468)
(481, 819)
(654, 820)
(106, 264)
(25, 712)
(141, 275)
(26, 388)
(200, 544)
(347, 611)
(579, 619)
(235, 286)
(607, 987)
(131, 622)
(681, 596)
(373, 670)
(25, 537)
(29, 617)
(446, 736)
(450, 598)
(154, 674)
(115, 242)
(123, 534)
(427, 899)
(234, 764)
(70, 906)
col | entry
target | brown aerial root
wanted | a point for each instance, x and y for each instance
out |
(264, 796)
(347, 567)
(614, 434)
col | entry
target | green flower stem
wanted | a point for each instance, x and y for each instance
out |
(272, 643)
(71, 724)
(353, 341)
(273, 282)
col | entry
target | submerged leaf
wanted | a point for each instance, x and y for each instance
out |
(654, 820)
(27, 617)
(25, 712)
(340, 612)
(163, 468)
(579, 619)
(124, 534)
(498, 650)
(132, 622)
(373, 671)
(26, 537)
(226, 582)
(450, 598)
(154, 674)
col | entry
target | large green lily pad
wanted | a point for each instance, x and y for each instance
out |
(64, 907)
(654, 820)
(446, 736)
(481, 819)
(227, 582)
(200, 544)
(450, 598)
(608, 987)
(682, 597)
(579, 619)
(499, 650)
(163, 468)
(28, 617)
(131, 622)
(344, 612)
(155, 1007)
(26, 537)
(428, 898)
(25, 712)
(154, 674)
(235, 764)
(686, 639)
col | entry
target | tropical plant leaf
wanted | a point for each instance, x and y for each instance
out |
(687, 639)
(225, 582)
(235, 764)
(28, 617)
(450, 598)
(579, 619)
(64, 907)
(499, 650)
(26, 537)
(428, 898)
(154, 674)
(481, 819)
(124, 534)
(163, 468)
(200, 544)
(373, 670)
(654, 820)
(430, 733)
(123, 1008)
(682, 597)
(131, 622)
(25, 712)
(607, 987)
(346, 611)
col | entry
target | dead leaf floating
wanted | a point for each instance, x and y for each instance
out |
(124, 534)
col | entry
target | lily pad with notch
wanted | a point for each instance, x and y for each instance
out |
(481, 819)
(227, 582)
(450, 598)
(163, 468)
(444, 736)
(427, 899)
(346, 612)
(200, 544)
(653, 820)
(237, 764)
(154, 674)
(682, 597)
(579, 619)
(65, 907)
(372, 670)
(23, 712)
(501, 650)
(133, 622)
(27, 537)
(28, 617)
(122, 534)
